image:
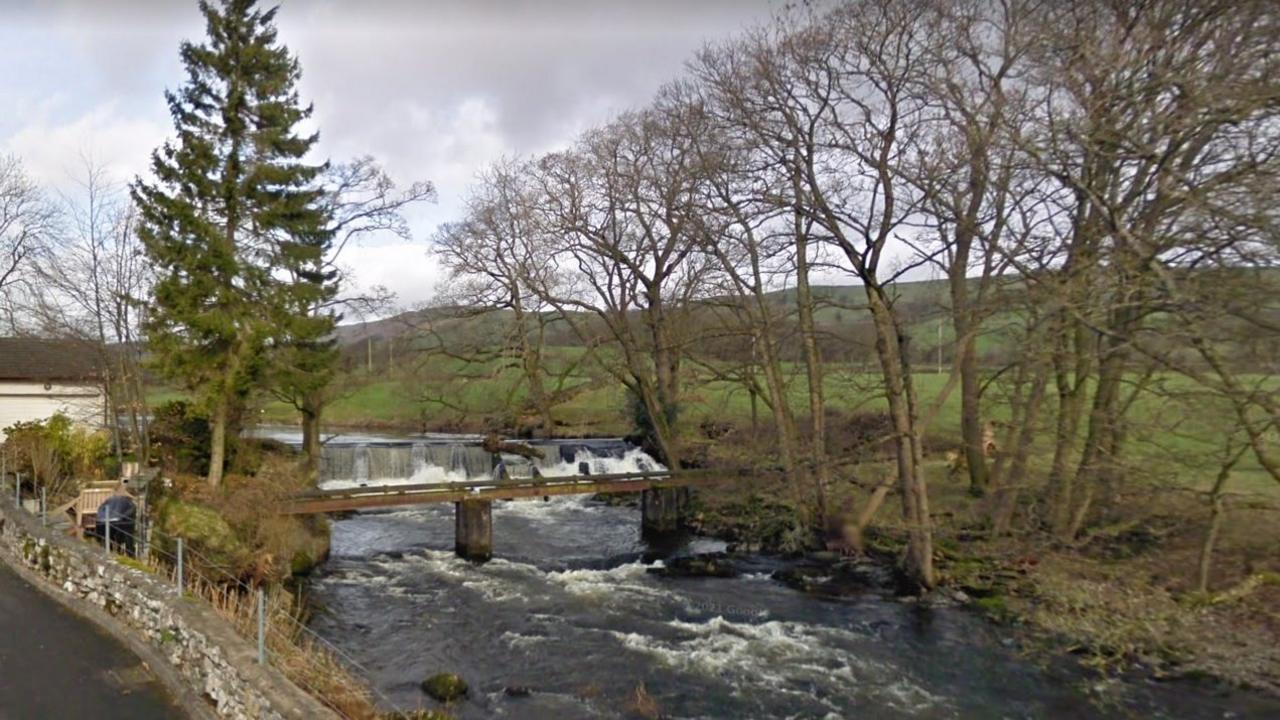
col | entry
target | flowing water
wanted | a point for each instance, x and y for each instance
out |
(569, 620)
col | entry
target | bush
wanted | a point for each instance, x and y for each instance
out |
(237, 527)
(180, 437)
(57, 454)
(248, 455)
(212, 542)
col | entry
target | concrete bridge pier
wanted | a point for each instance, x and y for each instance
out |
(473, 528)
(662, 510)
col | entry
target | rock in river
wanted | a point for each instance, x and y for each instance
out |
(445, 687)
(706, 565)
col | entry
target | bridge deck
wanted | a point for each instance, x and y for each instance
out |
(374, 496)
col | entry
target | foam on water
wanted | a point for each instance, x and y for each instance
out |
(350, 467)
(788, 657)
(618, 585)
(632, 460)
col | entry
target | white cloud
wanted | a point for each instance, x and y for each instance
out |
(404, 268)
(54, 152)
(435, 90)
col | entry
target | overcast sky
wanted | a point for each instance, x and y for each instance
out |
(435, 89)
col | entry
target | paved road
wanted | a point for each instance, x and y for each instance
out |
(55, 664)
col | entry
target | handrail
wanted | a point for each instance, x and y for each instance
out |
(543, 481)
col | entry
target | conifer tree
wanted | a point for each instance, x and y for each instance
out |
(235, 222)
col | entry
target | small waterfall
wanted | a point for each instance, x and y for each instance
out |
(605, 459)
(419, 458)
(427, 461)
(360, 466)
(440, 456)
(337, 463)
(390, 463)
(471, 461)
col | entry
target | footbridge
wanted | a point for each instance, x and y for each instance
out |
(663, 499)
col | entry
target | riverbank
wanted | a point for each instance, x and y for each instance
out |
(1138, 615)
(576, 617)
(1120, 602)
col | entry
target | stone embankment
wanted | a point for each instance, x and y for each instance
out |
(206, 658)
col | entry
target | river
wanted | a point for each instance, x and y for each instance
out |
(570, 620)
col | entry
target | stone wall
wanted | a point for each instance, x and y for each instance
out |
(205, 652)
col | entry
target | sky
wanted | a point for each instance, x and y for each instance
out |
(434, 89)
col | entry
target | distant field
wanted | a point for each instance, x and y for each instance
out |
(1172, 432)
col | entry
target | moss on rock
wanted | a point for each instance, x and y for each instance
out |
(445, 687)
(206, 531)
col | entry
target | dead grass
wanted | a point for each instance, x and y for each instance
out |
(269, 547)
(1122, 595)
(1114, 617)
(642, 704)
(304, 660)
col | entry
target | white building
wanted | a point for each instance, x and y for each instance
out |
(39, 378)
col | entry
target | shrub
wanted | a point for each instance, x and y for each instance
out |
(212, 543)
(57, 454)
(237, 528)
(180, 437)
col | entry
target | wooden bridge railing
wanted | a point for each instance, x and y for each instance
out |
(371, 496)
(662, 502)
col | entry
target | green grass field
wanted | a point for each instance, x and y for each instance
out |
(1172, 432)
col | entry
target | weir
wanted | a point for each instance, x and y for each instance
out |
(365, 463)
(387, 473)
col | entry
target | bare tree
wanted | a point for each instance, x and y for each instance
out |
(967, 177)
(87, 286)
(1158, 118)
(855, 85)
(28, 223)
(623, 205)
(363, 201)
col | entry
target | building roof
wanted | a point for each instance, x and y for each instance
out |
(23, 358)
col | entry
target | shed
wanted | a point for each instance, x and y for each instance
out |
(39, 378)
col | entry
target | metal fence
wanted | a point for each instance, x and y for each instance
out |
(258, 612)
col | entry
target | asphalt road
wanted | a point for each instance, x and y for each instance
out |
(55, 664)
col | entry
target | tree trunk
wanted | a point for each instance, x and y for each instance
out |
(1070, 380)
(217, 443)
(662, 429)
(1210, 540)
(112, 416)
(813, 369)
(311, 445)
(788, 443)
(856, 535)
(1023, 431)
(971, 412)
(911, 481)
(531, 365)
(663, 404)
(1102, 437)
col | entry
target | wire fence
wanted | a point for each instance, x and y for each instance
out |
(263, 613)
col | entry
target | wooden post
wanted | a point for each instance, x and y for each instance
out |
(473, 527)
(662, 510)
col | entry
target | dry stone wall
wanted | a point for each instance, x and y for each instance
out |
(205, 651)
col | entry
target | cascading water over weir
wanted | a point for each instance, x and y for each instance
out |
(362, 472)
(360, 463)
